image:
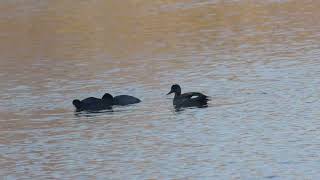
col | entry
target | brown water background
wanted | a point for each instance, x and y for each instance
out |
(258, 60)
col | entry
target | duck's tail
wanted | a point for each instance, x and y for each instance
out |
(204, 98)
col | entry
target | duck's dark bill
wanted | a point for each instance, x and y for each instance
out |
(169, 92)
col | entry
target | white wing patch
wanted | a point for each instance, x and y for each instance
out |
(194, 96)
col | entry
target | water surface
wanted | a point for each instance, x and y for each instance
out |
(258, 60)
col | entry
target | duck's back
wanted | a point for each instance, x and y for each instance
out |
(93, 104)
(190, 99)
(123, 100)
(90, 100)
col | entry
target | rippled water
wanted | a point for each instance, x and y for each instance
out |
(258, 60)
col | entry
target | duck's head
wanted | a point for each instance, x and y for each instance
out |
(77, 103)
(175, 89)
(107, 97)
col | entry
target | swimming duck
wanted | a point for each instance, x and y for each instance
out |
(93, 104)
(189, 99)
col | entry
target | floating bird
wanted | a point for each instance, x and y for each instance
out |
(93, 104)
(123, 100)
(190, 99)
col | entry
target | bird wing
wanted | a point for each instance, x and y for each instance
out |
(193, 95)
(90, 100)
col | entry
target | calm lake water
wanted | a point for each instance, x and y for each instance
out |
(258, 60)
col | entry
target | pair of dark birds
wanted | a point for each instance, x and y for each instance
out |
(106, 102)
(190, 99)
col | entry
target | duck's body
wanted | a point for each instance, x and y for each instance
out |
(123, 100)
(92, 104)
(190, 99)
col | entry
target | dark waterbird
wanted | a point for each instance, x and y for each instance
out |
(93, 104)
(106, 102)
(190, 99)
(123, 100)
